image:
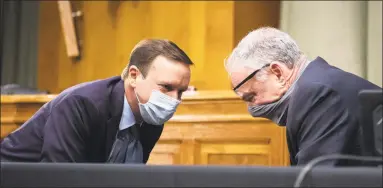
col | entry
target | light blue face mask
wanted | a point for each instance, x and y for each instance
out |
(159, 108)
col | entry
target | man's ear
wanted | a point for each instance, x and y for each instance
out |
(133, 74)
(277, 70)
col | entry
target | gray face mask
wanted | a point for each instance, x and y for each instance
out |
(276, 111)
(159, 108)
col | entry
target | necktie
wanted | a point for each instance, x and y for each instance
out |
(127, 147)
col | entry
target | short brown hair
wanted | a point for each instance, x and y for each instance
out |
(147, 50)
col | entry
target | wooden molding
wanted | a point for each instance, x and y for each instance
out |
(68, 28)
(11, 99)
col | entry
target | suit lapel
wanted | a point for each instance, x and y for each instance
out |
(116, 102)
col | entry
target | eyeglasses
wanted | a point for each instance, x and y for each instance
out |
(249, 77)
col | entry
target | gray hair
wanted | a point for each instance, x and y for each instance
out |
(263, 46)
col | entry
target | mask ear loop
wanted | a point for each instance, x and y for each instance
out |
(135, 93)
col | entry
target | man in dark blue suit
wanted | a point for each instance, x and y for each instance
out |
(115, 120)
(316, 102)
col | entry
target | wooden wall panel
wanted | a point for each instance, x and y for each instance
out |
(235, 154)
(219, 43)
(167, 153)
(50, 46)
(236, 141)
(253, 14)
(108, 30)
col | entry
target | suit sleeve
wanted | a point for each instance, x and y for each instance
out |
(67, 130)
(326, 125)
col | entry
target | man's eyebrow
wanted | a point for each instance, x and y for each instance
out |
(172, 85)
(165, 83)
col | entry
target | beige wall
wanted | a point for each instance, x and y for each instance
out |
(348, 34)
(374, 42)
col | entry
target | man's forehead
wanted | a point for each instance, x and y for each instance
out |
(168, 71)
(161, 63)
(239, 74)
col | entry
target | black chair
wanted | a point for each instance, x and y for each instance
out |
(371, 102)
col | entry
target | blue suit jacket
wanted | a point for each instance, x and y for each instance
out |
(323, 114)
(79, 125)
